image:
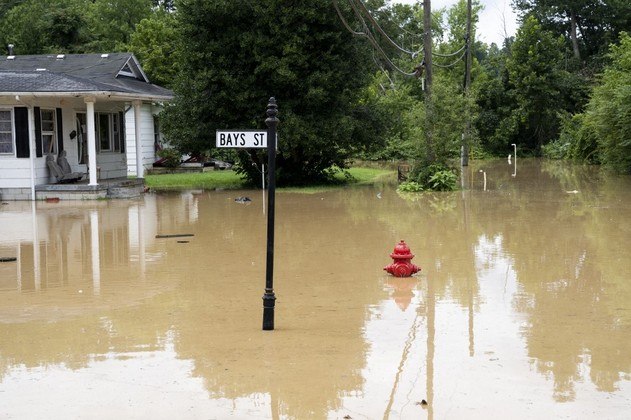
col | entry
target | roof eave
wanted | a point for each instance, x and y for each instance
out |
(108, 94)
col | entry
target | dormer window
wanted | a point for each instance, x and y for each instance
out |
(127, 71)
(132, 69)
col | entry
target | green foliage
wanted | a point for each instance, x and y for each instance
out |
(204, 180)
(113, 21)
(443, 181)
(299, 53)
(72, 26)
(393, 105)
(172, 157)
(587, 26)
(410, 186)
(435, 177)
(609, 110)
(46, 26)
(229, 179)
(522, 102)
(577, 141)
(154, 42)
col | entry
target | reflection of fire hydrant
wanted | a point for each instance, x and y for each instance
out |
(402, 266)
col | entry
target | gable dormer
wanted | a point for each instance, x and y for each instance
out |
(132, 69)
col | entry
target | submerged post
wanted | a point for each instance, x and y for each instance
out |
(269, 298)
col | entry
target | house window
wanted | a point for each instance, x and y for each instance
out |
(48, 131)
(108, 132)
(6, 132)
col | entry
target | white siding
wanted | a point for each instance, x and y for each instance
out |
(147, 138)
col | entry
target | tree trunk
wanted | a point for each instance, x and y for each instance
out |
(573, 36)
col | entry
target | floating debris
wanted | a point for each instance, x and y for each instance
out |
(242, 199)
(177, 235)
(8, 259)
(182, 242)
(422, 403)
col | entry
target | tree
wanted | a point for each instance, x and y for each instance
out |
(589, 26)
(238, 53)
(154, 42)
(608, 114)
(38, 26)
(113, 22)
(527, 98)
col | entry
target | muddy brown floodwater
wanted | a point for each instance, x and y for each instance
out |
(522, 308)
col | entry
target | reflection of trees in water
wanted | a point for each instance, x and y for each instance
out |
(573, 295)
(568, 250)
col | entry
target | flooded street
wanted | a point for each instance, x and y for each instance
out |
(522, 308)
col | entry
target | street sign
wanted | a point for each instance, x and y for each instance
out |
(245, 139)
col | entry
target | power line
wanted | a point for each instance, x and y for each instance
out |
(382, 32)
(368, 35)
(452, 54)
(446, 66)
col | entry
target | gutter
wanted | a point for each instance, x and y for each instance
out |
(108, 94)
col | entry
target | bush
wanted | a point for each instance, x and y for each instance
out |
(410, 186)
(435, 177)
(172, 157)
(443, 181)
(577, 141)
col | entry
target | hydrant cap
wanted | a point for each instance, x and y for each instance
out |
(402, 250)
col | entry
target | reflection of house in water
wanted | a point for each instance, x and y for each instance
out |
(60, 245)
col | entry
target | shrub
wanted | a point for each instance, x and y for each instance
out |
(443, 181)
(410, 186)
(172, 157)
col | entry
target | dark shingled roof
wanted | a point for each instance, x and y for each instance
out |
(80, 73)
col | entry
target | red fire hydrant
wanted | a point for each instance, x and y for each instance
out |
(402, 266)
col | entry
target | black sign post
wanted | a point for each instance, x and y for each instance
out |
(269, 298)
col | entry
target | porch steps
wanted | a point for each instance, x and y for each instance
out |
(112, 188)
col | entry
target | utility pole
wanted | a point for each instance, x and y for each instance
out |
(464, 158)
(427, 44)
(427, 52)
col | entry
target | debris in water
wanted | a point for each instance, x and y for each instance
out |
(182, 242)
(422, 403)
(8, 259)
(177, 235)
(242, 199)
(572, 192)
(347, 417)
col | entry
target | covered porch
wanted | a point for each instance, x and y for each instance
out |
(90, 114)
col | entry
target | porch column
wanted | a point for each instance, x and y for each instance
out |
(89, 102)
(140, 170)
(31, 147)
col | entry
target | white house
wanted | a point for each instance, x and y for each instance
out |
(84, 104)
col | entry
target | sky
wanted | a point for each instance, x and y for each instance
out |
(491, 26)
